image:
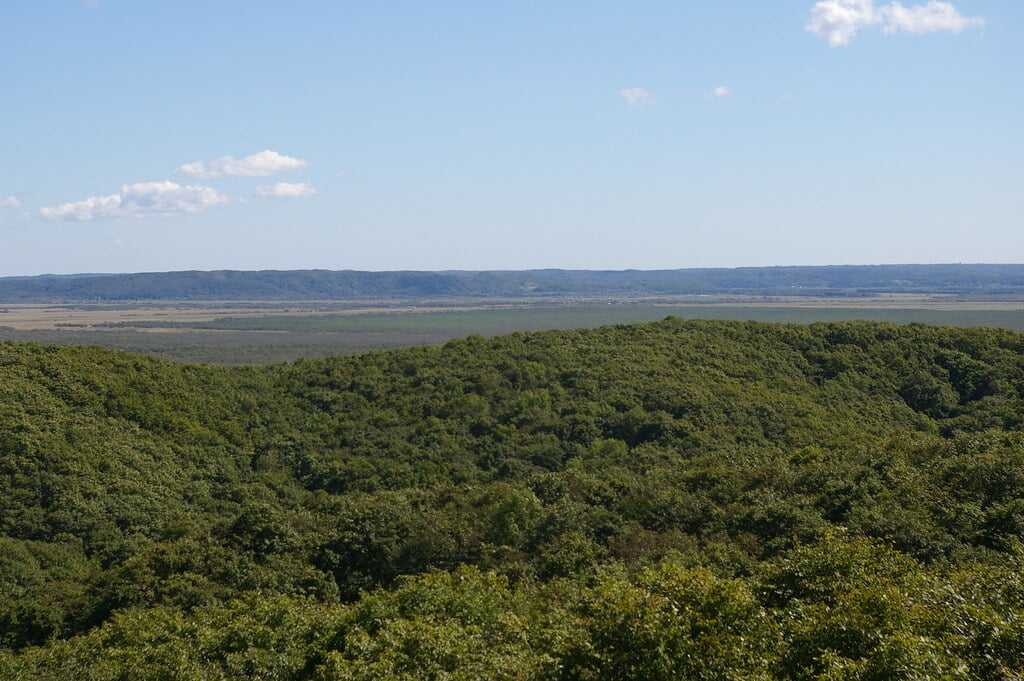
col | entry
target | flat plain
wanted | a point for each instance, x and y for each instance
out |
(258, 332)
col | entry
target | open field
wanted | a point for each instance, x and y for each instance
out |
(258, 333)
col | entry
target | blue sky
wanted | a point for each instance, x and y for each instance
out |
(144, 136)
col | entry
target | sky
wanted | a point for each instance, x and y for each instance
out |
(437, 134)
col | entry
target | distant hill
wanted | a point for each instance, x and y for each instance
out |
(844, 280)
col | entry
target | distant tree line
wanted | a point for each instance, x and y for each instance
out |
(851, 280)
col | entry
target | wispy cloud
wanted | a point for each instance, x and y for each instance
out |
(263, 164)
(10, 202)
(838, 21)
(720, 92)
(286, 190)
(926, 18)
(636, 97)
(142, 199)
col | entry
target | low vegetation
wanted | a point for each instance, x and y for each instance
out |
(266, 335)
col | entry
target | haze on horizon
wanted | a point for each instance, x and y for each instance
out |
(448, 135)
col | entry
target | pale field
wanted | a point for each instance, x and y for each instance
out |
(24, 317)
(30, 316)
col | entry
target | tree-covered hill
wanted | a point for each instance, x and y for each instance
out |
(349, 284)
(682, 499)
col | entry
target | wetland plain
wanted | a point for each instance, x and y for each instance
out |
(261, 332)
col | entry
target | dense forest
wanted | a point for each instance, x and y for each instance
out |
(672, 500)
(842, 280)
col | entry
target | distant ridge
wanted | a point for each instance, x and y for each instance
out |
(835, 280)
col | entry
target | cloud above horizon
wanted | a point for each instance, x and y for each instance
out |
(838, 21)
(286, 190)
(10, 202)
(139, 200)
(720, 92)
(262, 164)
(636, 97)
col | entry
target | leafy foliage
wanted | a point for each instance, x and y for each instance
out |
(713, 500)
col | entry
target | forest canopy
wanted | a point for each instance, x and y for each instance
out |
(680, 499)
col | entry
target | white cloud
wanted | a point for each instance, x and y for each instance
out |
(10, 202)
(142, 199)
(926, 18)
(838, 21)
(286, 190)
(719, 92)
(263, 164)
(636, 97)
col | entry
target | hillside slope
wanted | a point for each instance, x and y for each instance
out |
(731, 487)
(351, 284)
